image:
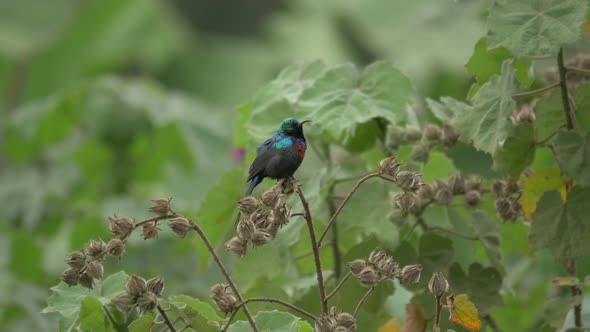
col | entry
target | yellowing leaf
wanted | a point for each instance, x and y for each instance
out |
(535, 185)
(463, 312)
(415, 319)
(392, 325)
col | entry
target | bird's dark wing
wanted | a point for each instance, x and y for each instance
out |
(264, 153)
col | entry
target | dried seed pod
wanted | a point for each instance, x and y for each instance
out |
(405, 180)
(432, 132)
(123, 301)
(147, 302)
(76, 260)
(412, 134)
(449, 135)
(180, 226)
(136, 286)
(357, 265)
(346, 320)
(411, 273)
(70, 277)
(287, 186)
(426, 192)
(325, 324)
(472, 197)
(116, 247)
(513, 187)
(473, 183)
(121, 228)
(161, 206)
(443, 196)
(95, 248)
(261, 238)
(248, 205)
(405, 200)
(438, 285)
(94, 269)
(368, 277)
(219, 289)
(237, 246)
(457, 183)
(155, 285)
(499, 188)
(377, 256)
(281, 214)
(389, 166)
(261, 219)
(150, 230)
(86, 281)
(504, 207)
(225, 301)
(271, 198)
(420, 153)
(246, 229)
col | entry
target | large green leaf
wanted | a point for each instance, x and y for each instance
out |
(573, 151)
(91, 315)
(143, 323)
(549, 116)
(447, 109)
(535, 27)
(562, 229)
(488, 122)
(193, 306)
(583, 105)
(517, 152)
(488, 232)
(275, 321)
(482, 284)
(534, 186)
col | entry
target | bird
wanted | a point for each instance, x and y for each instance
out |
(279, 156)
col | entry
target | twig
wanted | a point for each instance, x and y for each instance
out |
(549, 137)
(298, 214)
(335, 245)
(111, 319)
(166, 319)
(450, 231)
(578, 70)
(315, 248)
(307, 254)
(270, 300)
(564, 92)
(225, 273)
(343, 203)
(411, 231)
(540, 57)
(158, 218)
(436, 327)
(535, 92)
(492, 323)
(340, 284)
(362, 301)
(576, 291)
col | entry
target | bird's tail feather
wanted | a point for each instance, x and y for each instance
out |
(255, 181)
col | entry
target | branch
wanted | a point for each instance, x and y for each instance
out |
(315, 248)
(439, 306)
(340, 284)
(576, 291)
(362, 301)
(270, 300)
(166, 319)
(578, 70)
(225, 273)
(492, 323)
(564, 92)
(346, 199)
(535, 92)
(450, 231)
(335, 244)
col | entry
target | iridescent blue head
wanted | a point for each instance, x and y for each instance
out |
(292, 127)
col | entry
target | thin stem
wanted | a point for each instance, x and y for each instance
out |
(578, 70)
(343, 203)
(225, 274)
(362, 301)
(340, 284)
(307, 254)
(437, 313)
(347, 179)
(411, 231)
(269, 300)
(450, 231)
(576, 291)
(166, 319)
(298, 214)
(540, 57)
(158, 218)
(335, 245)
(535, 92)
(315, 248)
(549, 137)
(492, 323)
(564, 92)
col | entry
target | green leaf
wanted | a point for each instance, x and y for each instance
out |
(218, 210)
(143, 323)
(91, 315)
(488, 122)
(481, 284)
(562, 229)
(535, 27)
(488, 232)
(438, 166)
(534, 186)
(197, 306)
(447, 109)
(573, 151)
(517, 152)
(484, 63)
(27, 257)
(549, 116)
(583, 105)
(275, 321)
(557, 307)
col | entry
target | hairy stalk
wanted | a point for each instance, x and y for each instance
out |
(535, 92)
(362, 301)
(269, 300)
(166, 318)
(576, 291)
(564, 92)
(439, 305)
(225, 274)
(340, 284)
(343, 203)
(315, 248)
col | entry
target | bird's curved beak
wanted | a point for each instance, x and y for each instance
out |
(303, 122)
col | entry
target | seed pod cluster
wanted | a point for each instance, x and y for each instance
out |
(408, 182)
(335, 322)
(380, 266)
(139, 293)
(226, 302)
(423, 141)
(507, 204)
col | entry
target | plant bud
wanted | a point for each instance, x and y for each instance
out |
(86, 281)
(411, 273)
(432, 132)
(237, 246)
(412, 134)
(270, 198)
(95, 248)
(389, 268)
(150, 230)
(123, 301)
(121, 228)
(443, 196)
(261, 238)
(248, 205)
(147, 302)
(368, 277)
(287, 186)
(473, 183)
(472, 197)
(94, 269)
(180, 226)
(325, 324)
(246, 229)
(503, 207)
(513, 187)
(389, 166)
(70, 277)
(499, 188)
(449, 135)
(376, 256)
(346, 320)
(218, 289)
(225, 301)
(420, 153)
(438, 285)
(457, 183)
(116, 247)
(281, 214)
(405, 180)
(76, 260)
(261, 219)
(426, 192)
(155, 285)
(161, 206)
(405, 200)
(356, 266)
(417, 182)
(136, 286)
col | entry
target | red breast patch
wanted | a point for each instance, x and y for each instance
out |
(301, 147)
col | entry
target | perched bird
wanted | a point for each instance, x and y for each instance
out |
(280, 156)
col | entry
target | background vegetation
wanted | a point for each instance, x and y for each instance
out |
(107, 104)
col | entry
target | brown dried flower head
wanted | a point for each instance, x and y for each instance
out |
(513, 187)
(356, 266)
(368, 277)
(161, 206)
(248, 205)
(246, 229)
(150, 230)
(412, 134)
(76, 260)
(94, 269)
(287, 186)
(443, 195)
(136, 286)
(123, 301)
(156, 285)
(237, 245)
(473, 183)
(180, 226)
(457, 183)
(420, 153)
(147, 302)
(116, 247)
(346, 321)
(438, 284)
(261, 238)
(432, 132)
(499, 188)
(449, 136)
(86, 281)
(472, 197)
(325, 324)
(70, 277)
(389, 166)
(377, 256)
(281, 214)
(426, 192)
(95, 248)
(411, 273)
(224, 300)
(405, 200)
(271, 198)
(121, 228)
